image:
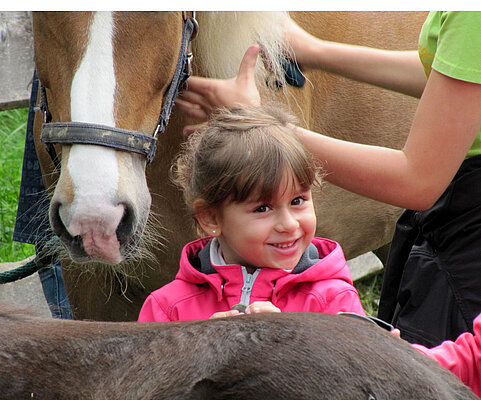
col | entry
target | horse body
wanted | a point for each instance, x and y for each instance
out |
(114, 69)
(281, 356)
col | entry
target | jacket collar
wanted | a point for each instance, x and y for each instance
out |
(196, 268)
(210, 256)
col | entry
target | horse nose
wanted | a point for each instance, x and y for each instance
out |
(95, 235)
(56, 222)
(127, 225)
(73, 244)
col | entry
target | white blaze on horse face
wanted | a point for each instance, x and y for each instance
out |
(93, 86)
(95, 213)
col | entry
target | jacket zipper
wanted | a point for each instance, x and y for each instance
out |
(248, 283)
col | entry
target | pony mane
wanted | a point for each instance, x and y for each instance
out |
(224, 36)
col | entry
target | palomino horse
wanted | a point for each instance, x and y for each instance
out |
(114, 70)
(270, 356)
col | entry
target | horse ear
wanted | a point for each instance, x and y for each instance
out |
(207, 217)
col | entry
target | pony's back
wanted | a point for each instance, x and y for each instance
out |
(263, 356)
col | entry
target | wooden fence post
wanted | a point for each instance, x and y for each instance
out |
(16, 59)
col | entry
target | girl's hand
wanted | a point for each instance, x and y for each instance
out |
(261, 307)
(204, 95)
(254, 308)
(223, 314)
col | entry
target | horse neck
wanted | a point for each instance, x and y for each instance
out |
(225, 36)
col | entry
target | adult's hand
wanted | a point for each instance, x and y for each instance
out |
(204, 95)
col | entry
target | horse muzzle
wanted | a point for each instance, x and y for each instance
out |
(108, 235)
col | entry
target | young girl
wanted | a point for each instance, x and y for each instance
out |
(432, 283)
(247, 180)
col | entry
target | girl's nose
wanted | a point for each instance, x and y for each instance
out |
(287, 222)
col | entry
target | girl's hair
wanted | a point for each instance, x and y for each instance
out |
(242, 154)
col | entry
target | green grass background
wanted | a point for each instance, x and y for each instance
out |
(13, 124)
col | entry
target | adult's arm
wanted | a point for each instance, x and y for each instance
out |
(400, 71)
(445, 124)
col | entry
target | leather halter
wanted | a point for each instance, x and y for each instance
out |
(113, 137)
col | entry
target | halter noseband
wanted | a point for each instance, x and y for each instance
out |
(116, 138)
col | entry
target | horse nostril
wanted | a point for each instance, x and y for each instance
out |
(56, 222)
(126, 227)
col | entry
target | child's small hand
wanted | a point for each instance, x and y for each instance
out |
(254, 308)
(261, 307)
(222, 314)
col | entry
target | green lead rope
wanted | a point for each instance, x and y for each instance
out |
(45, 257)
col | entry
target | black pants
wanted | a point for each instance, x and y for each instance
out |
(432, 282)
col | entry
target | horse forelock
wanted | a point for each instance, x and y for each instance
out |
(225, 36)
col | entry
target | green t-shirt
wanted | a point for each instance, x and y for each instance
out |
(450, 42)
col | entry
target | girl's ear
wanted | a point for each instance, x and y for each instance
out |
(207, 218)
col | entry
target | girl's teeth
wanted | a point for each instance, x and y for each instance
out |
(284, 246)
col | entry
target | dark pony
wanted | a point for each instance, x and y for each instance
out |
(269, 356)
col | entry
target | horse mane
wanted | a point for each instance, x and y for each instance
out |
(224, 36)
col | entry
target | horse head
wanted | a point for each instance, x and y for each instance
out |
(109, 74)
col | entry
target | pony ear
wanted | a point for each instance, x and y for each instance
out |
(207, 217)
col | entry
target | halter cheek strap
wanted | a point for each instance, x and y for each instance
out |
(113, 137)
(181, 74)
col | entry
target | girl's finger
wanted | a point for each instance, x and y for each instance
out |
(222, 314)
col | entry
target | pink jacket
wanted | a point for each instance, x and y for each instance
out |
(462, 357)
(325, 286)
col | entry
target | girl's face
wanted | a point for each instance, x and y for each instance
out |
(268, 235)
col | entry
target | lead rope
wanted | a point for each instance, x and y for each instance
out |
(45, 257)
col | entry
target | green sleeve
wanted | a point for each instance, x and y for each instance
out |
(458, 52)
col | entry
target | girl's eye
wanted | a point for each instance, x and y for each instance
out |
(261, 209)
(298, 201)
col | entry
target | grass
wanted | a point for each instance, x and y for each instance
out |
(12, 141)
(369, 289)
